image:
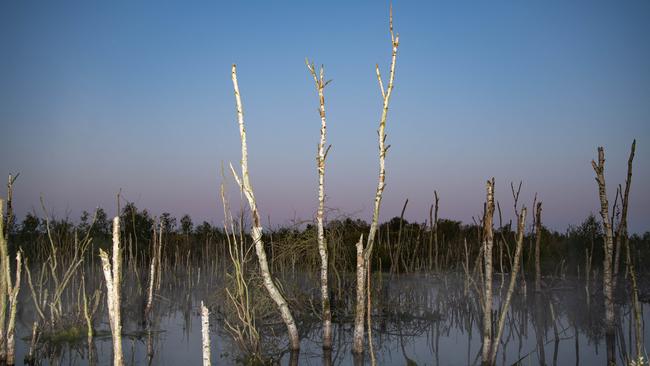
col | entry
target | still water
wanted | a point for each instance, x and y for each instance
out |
(419, 319)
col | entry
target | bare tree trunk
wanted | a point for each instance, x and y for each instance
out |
(431, 230)
(521, 227)
(398, 252)
(29, 358)
(9, 223)
(488, 241)
(256, 230)
(360, 310)
(435, 232)
(205, 334)
(154, 270)
(608, 289)
(112, 277)
(4, 269)
(367, 252)
(623, 240)
(13, 301)
(373, 360)
(320, 82)
(538, 241)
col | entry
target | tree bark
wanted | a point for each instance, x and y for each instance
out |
(521, 227)
(608, 246)
(320, 82)
(256, 230)
(538, 241)
(488, 242)
(360, 309)
(13, 302)
(112, 277)
(367, 252)
(4, 269)
(205, 334)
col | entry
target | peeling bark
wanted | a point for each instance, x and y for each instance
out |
(320, 83)
(205, 334)
(357, 347)
(112, 277)
(256, 230)
(608, 244)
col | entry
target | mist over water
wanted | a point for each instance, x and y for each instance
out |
(417, 319)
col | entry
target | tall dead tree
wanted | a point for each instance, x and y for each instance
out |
(434, 229)
(112, 272)
(488, 244)
(622, 236)
(492, 337)
(516, 265)
(4, 269)
(256, 229)
(538, 242)
(608, 247)
(10, 218)
(319, 81)
(12, 291)
(205, 334)
(364, 254)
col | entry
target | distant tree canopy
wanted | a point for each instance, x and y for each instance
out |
(186, 225)
(570, 247)
(137, 225)
(168, 222)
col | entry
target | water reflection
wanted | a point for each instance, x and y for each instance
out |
(417, 320)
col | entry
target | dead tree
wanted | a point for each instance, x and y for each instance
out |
(491, 338)
(488, 243)
(434, 229)
(112, 273)
(521, 227)
(608, 247)
(12, 291)
(4, 269)
(205, 334)
(623, 240)
(538, 241)
(154, 269)
(319, 81)
(256, 230)
(364, 254)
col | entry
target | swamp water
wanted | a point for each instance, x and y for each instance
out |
(418, 319)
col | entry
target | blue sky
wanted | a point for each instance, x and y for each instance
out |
(98, 96)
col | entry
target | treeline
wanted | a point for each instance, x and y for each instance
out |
(403, 246)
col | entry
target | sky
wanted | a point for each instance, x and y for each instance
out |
(136, 95)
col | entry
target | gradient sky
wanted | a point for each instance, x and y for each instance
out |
(98, 96)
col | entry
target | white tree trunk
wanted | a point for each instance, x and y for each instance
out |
(521, 227)
(320, 82)
(4, 268)
(205, 334)
(13, 301)
(256, 230)
(488, 241)
(538, 243)
(360, 310)
(608, 243)
(383, 148)
(112, 277)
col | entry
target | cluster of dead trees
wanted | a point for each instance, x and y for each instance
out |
(364, 249)
(365, 245)
(480, 272)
